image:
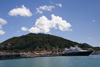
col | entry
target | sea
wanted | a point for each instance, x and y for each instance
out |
(55, 61)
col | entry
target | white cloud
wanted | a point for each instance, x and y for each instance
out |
(63, 24)
(2, 21)
(59, 5)
(34, 30)
(93, 20)
(43, 24)
(2, 32)
(23, 11)
(39, 11)
(45, 7)
(24, 29)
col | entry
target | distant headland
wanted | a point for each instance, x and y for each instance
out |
(40, 42)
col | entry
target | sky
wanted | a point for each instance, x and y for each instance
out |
(75, 20)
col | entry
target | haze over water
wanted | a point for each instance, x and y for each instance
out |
(58, 61)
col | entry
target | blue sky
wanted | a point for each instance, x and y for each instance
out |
(76, 20)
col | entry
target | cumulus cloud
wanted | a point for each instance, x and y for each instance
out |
(2, 32)
(24, 29)
(59, 5)
(45, 7)
(34, 30)
(2, 21)
(63, 24)
(23, 11)
(44, 25)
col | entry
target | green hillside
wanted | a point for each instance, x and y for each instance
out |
(31, 42)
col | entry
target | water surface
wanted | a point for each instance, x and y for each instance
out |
(58, 61)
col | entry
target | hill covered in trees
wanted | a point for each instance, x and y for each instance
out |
(31, 42)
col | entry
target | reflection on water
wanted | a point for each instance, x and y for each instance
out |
(58, 61)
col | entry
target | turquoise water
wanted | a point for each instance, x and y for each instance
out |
(58, 61)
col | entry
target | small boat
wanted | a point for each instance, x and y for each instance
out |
(76, 51)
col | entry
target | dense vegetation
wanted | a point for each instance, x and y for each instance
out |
(31, 42)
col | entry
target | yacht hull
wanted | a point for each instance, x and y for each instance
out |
(80, 53)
